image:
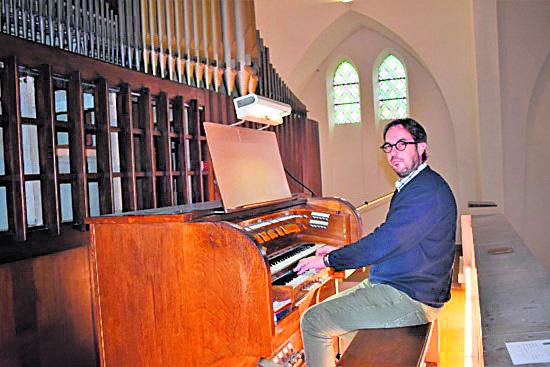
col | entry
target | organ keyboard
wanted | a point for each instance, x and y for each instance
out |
(198, 287)
(292, 256)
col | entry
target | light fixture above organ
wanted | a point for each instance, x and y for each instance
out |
(260, 109)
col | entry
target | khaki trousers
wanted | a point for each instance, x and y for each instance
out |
(365, 306)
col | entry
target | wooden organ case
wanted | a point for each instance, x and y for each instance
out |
(201, 285)
(184, 287)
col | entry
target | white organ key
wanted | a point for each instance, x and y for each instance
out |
(288, 261)
(277, 305)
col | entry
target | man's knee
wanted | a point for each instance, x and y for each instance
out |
(313, 321)
(309, 320)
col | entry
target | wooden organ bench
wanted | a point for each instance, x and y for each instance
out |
(394, 347)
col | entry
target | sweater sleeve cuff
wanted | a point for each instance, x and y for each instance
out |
(326, 260)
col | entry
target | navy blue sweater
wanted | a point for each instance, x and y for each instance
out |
(413, 250)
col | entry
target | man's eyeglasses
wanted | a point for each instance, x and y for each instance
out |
(400, 146)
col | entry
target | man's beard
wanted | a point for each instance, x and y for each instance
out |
(405, 173)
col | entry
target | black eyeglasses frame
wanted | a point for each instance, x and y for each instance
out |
(400, 146)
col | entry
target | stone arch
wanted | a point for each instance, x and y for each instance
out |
(537, 176)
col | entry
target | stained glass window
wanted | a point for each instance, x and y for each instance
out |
(392, 89)
(345, 89)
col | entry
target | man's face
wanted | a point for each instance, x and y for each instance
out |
(405, 161)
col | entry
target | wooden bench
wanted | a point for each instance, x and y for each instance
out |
(394, 347)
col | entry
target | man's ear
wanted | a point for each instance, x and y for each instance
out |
(422, 147)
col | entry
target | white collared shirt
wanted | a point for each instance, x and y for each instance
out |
(399, 184)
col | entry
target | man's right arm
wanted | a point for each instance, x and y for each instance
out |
(407, 223)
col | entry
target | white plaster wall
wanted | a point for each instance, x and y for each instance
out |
(450, 46)
(536, 192)
(438, 33)
(489, 129)
(524, 42)
(353, 166)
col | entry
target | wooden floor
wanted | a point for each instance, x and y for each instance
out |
(451, 328)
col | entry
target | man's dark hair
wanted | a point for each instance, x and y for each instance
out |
(414, 128)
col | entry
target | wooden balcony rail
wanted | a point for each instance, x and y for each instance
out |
(102, 139)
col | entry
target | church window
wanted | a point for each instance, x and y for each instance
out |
(392, 89)
(346, 96)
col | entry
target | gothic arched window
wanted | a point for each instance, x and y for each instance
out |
(393, 100)
(346, 96)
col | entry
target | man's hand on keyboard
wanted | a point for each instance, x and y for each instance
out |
(312, 262)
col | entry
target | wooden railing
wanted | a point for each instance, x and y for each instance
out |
(207, 44)
(361, 209)
(473, 343)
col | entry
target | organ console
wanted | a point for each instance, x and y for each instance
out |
(207, 285)
(194, 286)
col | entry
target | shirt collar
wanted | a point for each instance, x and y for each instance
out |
(399, 184)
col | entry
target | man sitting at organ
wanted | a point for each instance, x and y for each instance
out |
(410, 255)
